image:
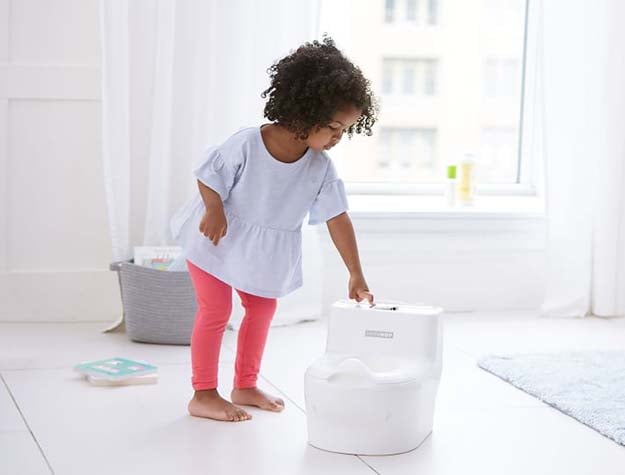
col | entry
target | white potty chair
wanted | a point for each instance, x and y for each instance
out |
(373, 391)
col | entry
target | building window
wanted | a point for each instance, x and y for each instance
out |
(432, 12)
(411, 11)
(415, 12)
(409, 77)
(501, 77)
(429, 79)
(497, 157)
(389, 11)
(407, 154)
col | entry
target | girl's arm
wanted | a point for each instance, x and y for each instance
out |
(342, 233)
(213, 224)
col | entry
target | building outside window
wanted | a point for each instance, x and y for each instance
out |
(449, 80)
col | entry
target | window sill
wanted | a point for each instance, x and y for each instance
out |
(435, 207)
(495, 224)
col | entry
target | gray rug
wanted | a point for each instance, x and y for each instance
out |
(586, 385)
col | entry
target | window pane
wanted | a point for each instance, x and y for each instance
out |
(501, 78)
(430, 78)
(409, 77)
(407, 155)
(389, 11)
(384, 151)
(432, 12)
(418, 77)
(411, 10)
(497, 152)
(387, 80)
(449, 84)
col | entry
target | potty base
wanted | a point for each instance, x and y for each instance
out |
(369, 420)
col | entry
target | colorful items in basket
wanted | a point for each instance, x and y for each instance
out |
(157, 257)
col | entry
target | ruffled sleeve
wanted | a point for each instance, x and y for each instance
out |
(331, 199)
(217, 172)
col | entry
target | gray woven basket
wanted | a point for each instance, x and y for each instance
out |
(159, 306)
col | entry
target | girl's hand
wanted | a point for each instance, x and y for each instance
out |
(213, 224)
(358, 289)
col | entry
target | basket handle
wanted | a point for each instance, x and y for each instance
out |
(117, 266)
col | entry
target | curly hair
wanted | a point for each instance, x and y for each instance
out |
(311, 84)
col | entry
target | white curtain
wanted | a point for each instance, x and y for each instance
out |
(584, 112)
(179, 75)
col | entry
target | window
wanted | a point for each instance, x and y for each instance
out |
(409, 77)
(389, 11)
(411, 10)
(443, 91)
(414, 12)
(502, 12)
(501, 78)
(497, 145)
(432, 12)
(429, 77)
(407, 155)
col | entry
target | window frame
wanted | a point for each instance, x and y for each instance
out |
(529, 156)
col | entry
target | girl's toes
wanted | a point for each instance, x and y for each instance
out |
(276, 406)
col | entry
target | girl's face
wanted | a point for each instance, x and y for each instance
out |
(324, 138)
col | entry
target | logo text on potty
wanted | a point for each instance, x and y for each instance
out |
(378, 334)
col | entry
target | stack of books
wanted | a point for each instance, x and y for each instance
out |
(118, 372)
(156, 257)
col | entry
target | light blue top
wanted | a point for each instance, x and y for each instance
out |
(265, 202)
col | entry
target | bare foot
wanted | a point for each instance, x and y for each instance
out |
(258, 398)
(210, 404)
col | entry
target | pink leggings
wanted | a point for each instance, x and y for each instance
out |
(214, 305)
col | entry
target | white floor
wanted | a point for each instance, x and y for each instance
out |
(53, 422)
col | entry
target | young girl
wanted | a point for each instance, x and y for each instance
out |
(243, 229)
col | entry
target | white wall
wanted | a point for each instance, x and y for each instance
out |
(54, 242)
(54, 245)
(462, 264)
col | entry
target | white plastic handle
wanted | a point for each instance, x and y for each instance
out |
(381, 305)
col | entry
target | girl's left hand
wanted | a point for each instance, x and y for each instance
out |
(358, 289)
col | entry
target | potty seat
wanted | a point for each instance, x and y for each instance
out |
(374, 389)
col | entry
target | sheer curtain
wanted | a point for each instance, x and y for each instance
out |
(178, 75)
(584, 101)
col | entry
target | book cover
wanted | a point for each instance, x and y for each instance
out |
(143, 379)
(115, 369)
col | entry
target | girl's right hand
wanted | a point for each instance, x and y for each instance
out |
(213, 224)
